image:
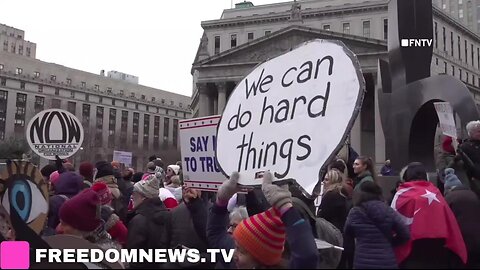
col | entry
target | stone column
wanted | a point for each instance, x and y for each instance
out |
(222, 96)
(203, 99)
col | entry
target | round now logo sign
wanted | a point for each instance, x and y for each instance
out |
(55, 132)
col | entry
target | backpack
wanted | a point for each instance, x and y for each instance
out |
(326, 231)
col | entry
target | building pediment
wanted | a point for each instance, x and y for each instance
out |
(284, 40)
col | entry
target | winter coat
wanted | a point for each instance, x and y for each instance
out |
(361, 178)
(150, 228)
(466, 207)
(386, 170)
(68, 186)
(333, 208)
(113, 225)
(303, 252)
(176, 192)
(184, 234)
(373, 225)
(471, 149)
(118, 202)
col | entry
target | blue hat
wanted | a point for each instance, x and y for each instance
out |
(451, 180)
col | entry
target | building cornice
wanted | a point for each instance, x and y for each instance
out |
(61, 85)
(285, 16)
(439, 13)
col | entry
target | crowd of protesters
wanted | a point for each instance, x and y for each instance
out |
(422, 225)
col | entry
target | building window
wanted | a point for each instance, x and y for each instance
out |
(445, 67)
(180, 105)
(21, 99)
(97, 87)
(69, 81)
(478, 58)
(100, 99)
(163, 101)
(233, 41)
(460, 13)
(268, 32)
(385, 29)
(86, 115)
(124, 104)
(18, 71)
(466, 75)
(466, 53)
(459, 50)
(156, 132)
(166, 124)
(5, 46)
(250, 36)
(56, 103)
(87, 97)
(153, 99)
(453, 70)
(124, 128)
(111, 128)
(326, 27)
(28, 51)
(20, 49)
(21, 105)
(113, 102)
(57, 91)
(72, 94)
(136, 106)
(451, 43)
(36, 74)
(460, 71)
(22, 85)
(99, 126)
(473, 79)
(84, 84)
(436, 34)
(472, 54)
(143, 97)
(71, 107)
(13, 48)
(346, 28)
(146, 130)
(40, 88)
(366, 28)
(39, 104)
(147, 108)
(175, 132)
(53, 77)
(436, 61)
(136, 119)
(4, 82)
(109, 90)
(217, 44)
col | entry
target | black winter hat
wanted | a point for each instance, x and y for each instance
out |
(103, 169)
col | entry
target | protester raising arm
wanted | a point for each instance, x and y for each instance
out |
(303, 250)
(198, 210)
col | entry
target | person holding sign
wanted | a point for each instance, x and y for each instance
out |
(470, 153)
(259, 240)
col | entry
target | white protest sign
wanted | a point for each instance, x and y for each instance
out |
(123, 157)
(291, 114)
(55, 132)
(446, 119)
(198, 143)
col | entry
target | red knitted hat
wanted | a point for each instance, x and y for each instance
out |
(82, 211)
(263, 236)
(103, 192)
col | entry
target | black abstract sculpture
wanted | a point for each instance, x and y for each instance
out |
(406, 91)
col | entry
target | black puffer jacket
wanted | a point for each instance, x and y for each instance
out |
(373, 224)
(150, 228)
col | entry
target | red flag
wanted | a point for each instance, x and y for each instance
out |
(425, 211)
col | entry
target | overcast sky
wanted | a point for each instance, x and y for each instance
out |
(155, 40)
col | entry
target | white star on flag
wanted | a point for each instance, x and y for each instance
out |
(430, 196)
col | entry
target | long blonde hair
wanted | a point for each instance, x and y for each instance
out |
(336, 180)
